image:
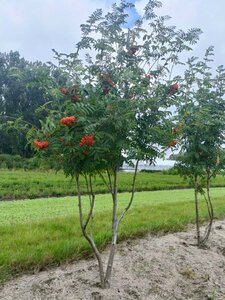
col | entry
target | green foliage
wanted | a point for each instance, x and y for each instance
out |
(120, 94)
(24, 87)
(38, 234)
(201, 118)
(17, 162)
(171, 171)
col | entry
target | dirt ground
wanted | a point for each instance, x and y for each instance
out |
(166, 267)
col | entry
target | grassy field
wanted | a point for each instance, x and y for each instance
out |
(37, 234)
(20, 184)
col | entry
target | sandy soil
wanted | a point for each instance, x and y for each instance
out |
(156, 268)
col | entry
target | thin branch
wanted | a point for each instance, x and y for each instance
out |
(171, 71)
(132, 196)
(197, 209)
(210, 209)
(92, 202)
(105, 182)
(92, 206)
(88, 237)
(108, 272)
(110, 181)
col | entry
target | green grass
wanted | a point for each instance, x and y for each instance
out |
(36, 234)
(20, 184)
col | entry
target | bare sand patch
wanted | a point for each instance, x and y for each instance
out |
(166, 267)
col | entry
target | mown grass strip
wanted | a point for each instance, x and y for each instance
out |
(52, 235)
(19, 184)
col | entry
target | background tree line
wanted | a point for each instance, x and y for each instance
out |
(24, 87)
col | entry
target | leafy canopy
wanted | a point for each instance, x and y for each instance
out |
(120, 93)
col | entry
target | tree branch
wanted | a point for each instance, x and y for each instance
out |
(132, 195)
(88, 237)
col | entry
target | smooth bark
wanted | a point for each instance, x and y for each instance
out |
(87, 236)
(197, 210)
(105, 277)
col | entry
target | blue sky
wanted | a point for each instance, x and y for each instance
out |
(133, 15)
(34, 27)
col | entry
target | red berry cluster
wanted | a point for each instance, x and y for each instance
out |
(64, 91)
(174, 88)
(75, 98)
(72, 94)
(105, 90)
(172, 143)
(106, 78)
(175, 130)
(87, 140)
(68, 121)
(41, 145)
(133, 49)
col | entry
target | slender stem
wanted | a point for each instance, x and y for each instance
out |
(87, 186)
(110, 181)
(210, 209)
(197, 209)
(132, 195)
(208, 227)
(91, 196)
(115, 223)
(88, 237)
(92, 206)
(108, 273)
(171, 70)
(209, 196)
(105, 182)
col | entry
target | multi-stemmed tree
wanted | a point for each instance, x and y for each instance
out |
(116, 106)
(201, 127)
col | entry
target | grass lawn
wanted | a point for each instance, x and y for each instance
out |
(36, 234)
(20, 184)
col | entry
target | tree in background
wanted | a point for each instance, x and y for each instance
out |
(201, 127)
(116, 106)
(24, 87)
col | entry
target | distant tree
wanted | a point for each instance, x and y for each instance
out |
(24, 87)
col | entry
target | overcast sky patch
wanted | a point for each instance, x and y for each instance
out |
(34, 27)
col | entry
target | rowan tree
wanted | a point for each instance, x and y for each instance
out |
(201, 128)
(116, 105)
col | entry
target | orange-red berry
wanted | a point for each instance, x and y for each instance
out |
(172, 143)
(41, 145)
(87, 140)
(75, 98)
(175, 130)
(174, 88)
(64, 91)
(68, 121)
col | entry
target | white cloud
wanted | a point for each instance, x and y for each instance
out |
(35, 27)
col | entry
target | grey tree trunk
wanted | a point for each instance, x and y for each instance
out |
(116, 223)
(86, 235)
(108, 274)
(210, 210)
(105, 277)
(197, 211)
